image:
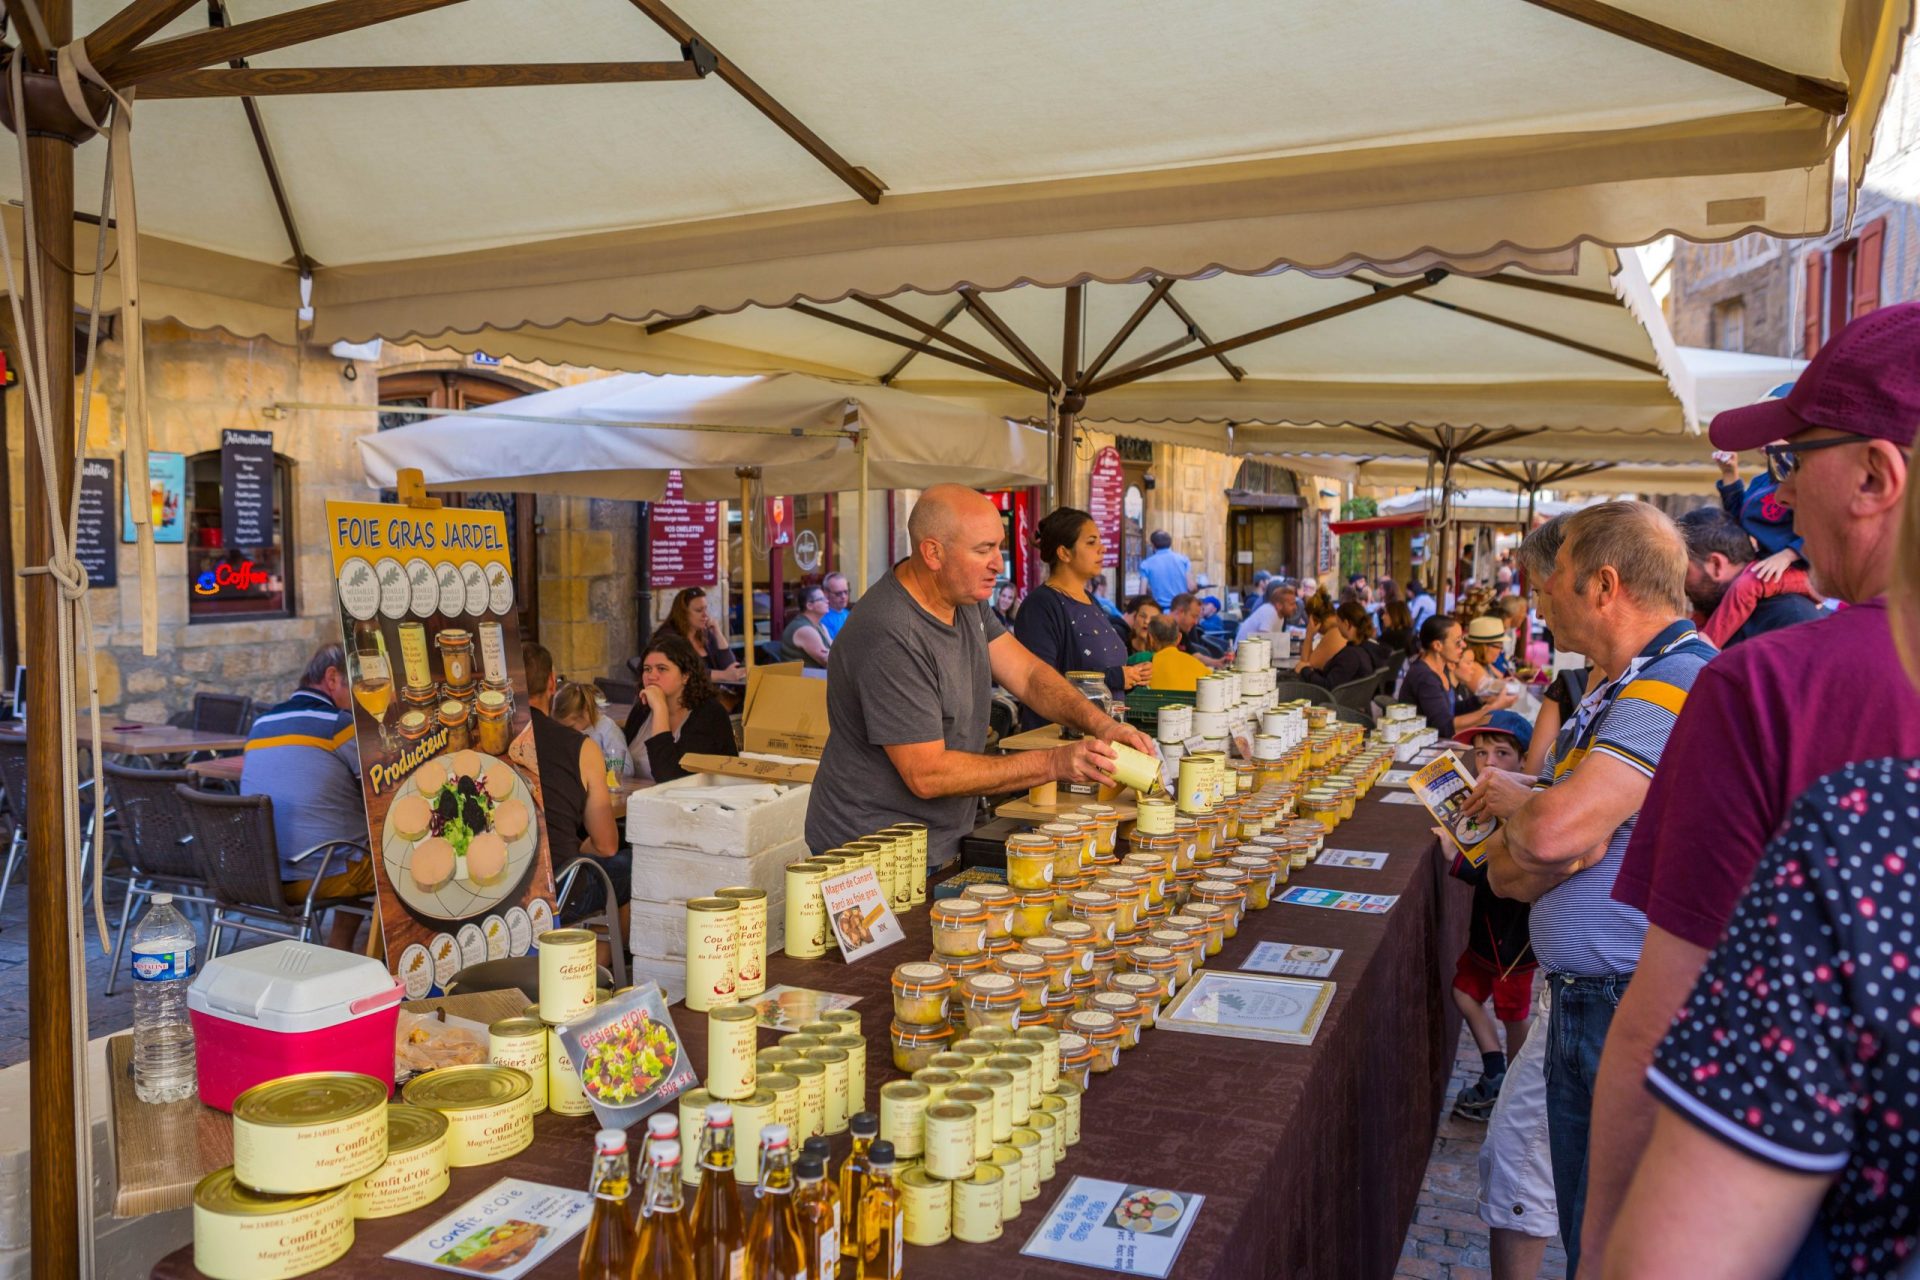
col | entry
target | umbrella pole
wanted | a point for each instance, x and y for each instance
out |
(860, 446)
(746, 475)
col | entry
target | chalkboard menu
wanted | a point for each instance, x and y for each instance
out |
(94, 533)
(246, 488)
(683, 539)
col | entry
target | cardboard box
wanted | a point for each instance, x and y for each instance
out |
(785, 712)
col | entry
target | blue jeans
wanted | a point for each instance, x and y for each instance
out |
(1576, 1031)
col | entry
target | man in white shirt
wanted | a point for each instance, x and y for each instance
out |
(1273, 614)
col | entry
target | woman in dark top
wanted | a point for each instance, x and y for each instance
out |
(806, 639)
(689, 620)
(1061, 622)
(1396, 626)
(1341, 655)
(1429, 683)
(677, 713)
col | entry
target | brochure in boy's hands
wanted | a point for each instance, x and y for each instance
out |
(1443, 787)
(629, 1057)
(505, 1231)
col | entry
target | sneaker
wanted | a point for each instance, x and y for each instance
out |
(1476, 1100)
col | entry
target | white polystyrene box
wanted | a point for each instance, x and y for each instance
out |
(718, 815)
(664, 874)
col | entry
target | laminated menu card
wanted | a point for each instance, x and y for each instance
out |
(859, 912)
(505, 1231)
(1116, 1226)
(628, 1056)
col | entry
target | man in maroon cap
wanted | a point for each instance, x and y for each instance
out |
(1770, 717)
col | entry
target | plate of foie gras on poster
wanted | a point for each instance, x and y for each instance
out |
(461, 835)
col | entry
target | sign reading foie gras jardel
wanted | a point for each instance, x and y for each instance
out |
(461, 861)
(93, 533)
(246, 488)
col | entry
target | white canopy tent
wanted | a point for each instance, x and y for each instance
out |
(787, 433)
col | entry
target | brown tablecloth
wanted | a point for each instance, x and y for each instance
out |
(1310, 1158)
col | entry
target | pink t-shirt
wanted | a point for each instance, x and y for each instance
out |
(1765, 720)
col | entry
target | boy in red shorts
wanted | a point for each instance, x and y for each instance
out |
(1498, 962)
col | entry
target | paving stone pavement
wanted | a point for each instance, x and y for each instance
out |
(1447, 1240)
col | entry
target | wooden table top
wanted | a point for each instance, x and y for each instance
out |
(134, 738)
(219, 769)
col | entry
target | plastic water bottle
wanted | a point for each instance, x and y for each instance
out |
(163, 968)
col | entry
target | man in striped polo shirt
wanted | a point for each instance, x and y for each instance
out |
(1618, 593)
(302, 753)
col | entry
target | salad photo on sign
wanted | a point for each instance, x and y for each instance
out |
(441, 717)
(628, 1056)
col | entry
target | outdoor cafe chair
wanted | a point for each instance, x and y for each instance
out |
(239, 858)
(155, 842)
(1353, 715)
(605, 924)
(619, 691)
(1357, 694)
(1289, 690)
(13, 780)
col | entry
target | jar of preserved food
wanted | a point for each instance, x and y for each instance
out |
(959, 927)
(1156, 868)
(453, 719)
(1064, 887)
(1143, 988)
(1214, 918)
(1069, 848)
(913, 1045)
(1057, 955)
(1258, 867)
(1080, 940)
(1093, 686)
(1102, 1033)
(1076, 1058)
(456, 660)
(920, 994)
(1105, 959)
(1106, 827)
(1062, 1003)
(492, 722)
(1158, 964)
(1032, 912)
(1098, 911)
(1030, 971)
(1189, 848)
(1030, 860)
(1126, 897)
(1230, 898)
(999, 901)
(991, 1000)
(415, 725)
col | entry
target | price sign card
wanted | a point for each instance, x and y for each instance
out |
(1400, 797)
(1293, 959)
(1364, 859)
(784, 1008)
(506, 1231)
(1116, 1226)
(1397, 778)
(1371, 904)
(858, 910)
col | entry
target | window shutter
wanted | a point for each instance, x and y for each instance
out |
(1866, 267)
(1812, 303)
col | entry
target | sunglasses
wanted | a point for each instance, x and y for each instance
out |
(1784, 459)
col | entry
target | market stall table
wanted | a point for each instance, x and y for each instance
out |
(1310, 1158)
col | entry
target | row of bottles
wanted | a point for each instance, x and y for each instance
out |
(803, 1226)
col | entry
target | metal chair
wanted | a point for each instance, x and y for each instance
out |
(222, 712)
(155, 842)
(625, 691)
(1357, 694)
(13, 779)
(239, 858)
(1353, 715)
(606, 924)
(1289, 690)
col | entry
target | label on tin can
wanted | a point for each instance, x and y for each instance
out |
(522, 1043)
(307, 1133)
(751, 1114)
(732, 1039)
(750, 942)
(565, 1096)
(949, 1149)
(927, 1204)
(976, 1206)
(713, 941)
(239, 1235)
(903, 1118)
(416, 1169)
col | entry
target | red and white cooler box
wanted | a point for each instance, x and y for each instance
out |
(287, 1008)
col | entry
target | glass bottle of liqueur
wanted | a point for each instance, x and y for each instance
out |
(719, 1225)
(883, 1228)
(661, 1248)
(662, 1126)
(819, 1148)
(853, 1174)
(775, 1250)
(816, 1206)
(606, 1251)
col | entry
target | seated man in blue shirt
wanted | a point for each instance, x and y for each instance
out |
(835, 585)
(303, 754)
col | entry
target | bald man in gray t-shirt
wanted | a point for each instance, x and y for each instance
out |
(909, 683)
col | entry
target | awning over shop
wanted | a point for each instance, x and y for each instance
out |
(1376, 524)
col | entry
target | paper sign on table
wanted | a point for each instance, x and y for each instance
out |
(505, 1231)
(784, 1008)
(1372, 904)
(1115, 1226)
(859, 912)
(1397, 778)
(1364, 859)
(1293, 959)
(1400, 797)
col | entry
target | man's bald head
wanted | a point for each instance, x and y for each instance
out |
(956, 535)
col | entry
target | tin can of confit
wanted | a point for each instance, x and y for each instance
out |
(240, 1234)
(567, 972)
(806, 914)
(713, 937)
(750, 942)
(416, 1169)
(309, 1132)
(522, 1043)
(732, 1038)
(489, 1110)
